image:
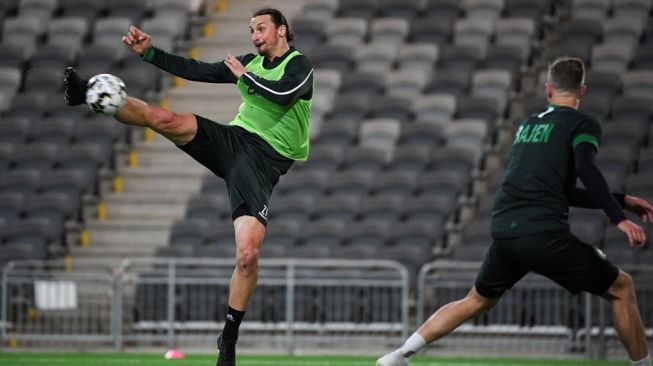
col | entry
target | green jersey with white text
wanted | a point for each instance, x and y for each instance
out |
(541, 173)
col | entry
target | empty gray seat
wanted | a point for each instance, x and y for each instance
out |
(392, 31)
(382, 207)
(365, 9)
(591, 9)
(110, 30)
(42, 9)
(347, 31)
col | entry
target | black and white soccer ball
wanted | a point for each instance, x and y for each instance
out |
(106, 94)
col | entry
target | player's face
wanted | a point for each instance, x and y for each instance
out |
(265, 35)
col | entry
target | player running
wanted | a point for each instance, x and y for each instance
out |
(270, 132)
(530, 227)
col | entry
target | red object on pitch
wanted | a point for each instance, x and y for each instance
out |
(174, 354)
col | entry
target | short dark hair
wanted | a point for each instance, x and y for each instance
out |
(567, 74)
(278, 19)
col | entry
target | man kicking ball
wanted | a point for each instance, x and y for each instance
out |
(270, 132)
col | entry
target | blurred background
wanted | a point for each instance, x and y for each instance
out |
(112, 238)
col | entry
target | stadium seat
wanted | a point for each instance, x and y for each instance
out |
(326, 157)
(192, 233)
(43, 79)
(444, 9)
(433, 207)
(368, 84)
(295, 207)
(474, 33)
(437, 108)
(42, 9)
(431, 30)
(11, 207)
(303, 182)
(381, 134)
(365, 9)
(323, 233)
(483, 9)
(591, 9)
(383, 207)
(392, 107)
(135, 10)
(372, 234)
(376, 58)
(632, 10)
(390, 31)
(408, 10)
(340, 128)
(321, 11)
(449, 81)
(340, 207)
(421, 134)
(360, 162)
(396, 182)
(23, 181)
(410, 158)
(349, 32)
(417, 57)
(208, 207)
(38, 156)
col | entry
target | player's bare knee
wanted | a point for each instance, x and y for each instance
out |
(622, 288)
(479, 304)
(247, 261)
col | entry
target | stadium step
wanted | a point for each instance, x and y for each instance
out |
(114, 255)
(163, 153)
(146, 206)
(170, 179)
(130, 231)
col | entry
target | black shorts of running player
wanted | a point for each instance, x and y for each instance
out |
(558, 255)
(249, 166)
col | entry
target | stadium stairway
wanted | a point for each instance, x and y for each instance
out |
(154, 192)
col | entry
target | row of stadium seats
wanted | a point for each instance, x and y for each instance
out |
(53, 157)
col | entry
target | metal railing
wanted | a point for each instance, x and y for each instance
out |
(45, 303)
(155, 301)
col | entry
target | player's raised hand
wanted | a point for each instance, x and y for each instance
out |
(137, 40)
(235, 66)
(639, 206)
(634, 232)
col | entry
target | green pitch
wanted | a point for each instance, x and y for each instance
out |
(109, 359)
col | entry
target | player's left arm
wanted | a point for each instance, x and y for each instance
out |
(597, 190)
(296, 82)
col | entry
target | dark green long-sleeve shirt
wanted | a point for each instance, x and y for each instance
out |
(279, 91)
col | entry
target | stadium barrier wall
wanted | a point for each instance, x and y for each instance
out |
(536, 318)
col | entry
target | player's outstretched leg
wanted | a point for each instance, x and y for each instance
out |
(178, 128)
(444, 321)
(628, 322)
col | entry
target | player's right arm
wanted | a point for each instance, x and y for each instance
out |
(140, 43)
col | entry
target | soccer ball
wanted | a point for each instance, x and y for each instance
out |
(106, 94)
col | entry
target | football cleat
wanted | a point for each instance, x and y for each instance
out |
(394, 358)
(74, 87)
(227, 355)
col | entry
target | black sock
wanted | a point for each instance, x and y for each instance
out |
(231, 324)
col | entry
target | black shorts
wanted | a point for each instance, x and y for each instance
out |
(249, 165)
(558, 255)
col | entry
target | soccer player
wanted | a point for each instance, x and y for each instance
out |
(530, 229)
(270, 132)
